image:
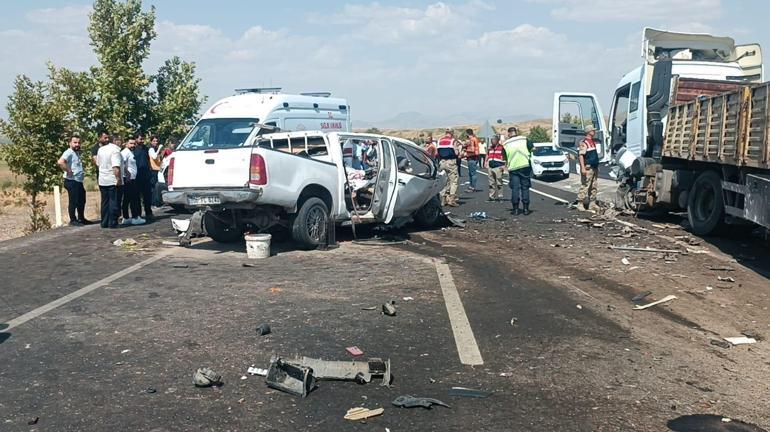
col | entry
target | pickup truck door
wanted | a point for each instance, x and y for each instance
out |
(416, 183)
(385, 190)
(572, 112)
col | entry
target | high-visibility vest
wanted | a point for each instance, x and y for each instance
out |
(591, 156)
(446, 148)
(517, 152)
(495, 153)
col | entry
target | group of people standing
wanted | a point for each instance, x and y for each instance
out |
(128, 173)
(512, 156)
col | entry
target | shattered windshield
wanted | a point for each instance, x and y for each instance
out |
(218, 133)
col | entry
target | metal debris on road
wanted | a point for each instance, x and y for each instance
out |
(454, 220)
(408, 401)
(468, 392)
(625, 261)
(389, 309)
(126, 242)
(740, 340)
(725, 279)
(256, 371)
(290, 378)
(718, 268)
(752, 334)
(369, 308)
(407, 298)
(354, 351)
(205, 377)
(720, 343)
(358, 371)
(665, 299)
(645, 249)
(641, 296)
(479, 216)
(362, 413)
(263, 329)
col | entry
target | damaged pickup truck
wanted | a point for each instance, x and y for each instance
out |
(305, 181)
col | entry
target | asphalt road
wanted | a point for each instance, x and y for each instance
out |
(106, 338)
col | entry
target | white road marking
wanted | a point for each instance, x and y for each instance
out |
(83, 291)
(555, 198)
(467, 348)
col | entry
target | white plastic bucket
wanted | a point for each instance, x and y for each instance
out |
(257, 245)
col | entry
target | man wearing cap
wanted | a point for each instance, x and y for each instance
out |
(518, 155)
(448, 149)
(589, 170)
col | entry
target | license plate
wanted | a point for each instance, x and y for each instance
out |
(204, 200)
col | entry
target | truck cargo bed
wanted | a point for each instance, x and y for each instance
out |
(721, 122)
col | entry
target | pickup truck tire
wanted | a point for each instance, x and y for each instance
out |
(429, 215)
(220, 231)
(705, 205)
(310, 223)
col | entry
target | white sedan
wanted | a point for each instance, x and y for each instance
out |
(549, 160)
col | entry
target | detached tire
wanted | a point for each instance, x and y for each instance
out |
(310, 223)
(429, 215)
(220, 231)
(705, 205)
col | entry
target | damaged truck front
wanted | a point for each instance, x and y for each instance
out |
(688, 130)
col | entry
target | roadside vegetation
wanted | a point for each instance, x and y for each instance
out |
(117, 95)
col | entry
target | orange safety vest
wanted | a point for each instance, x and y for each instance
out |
(446, 149)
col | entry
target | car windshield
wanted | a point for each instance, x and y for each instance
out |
(218, 133)
(546, 151)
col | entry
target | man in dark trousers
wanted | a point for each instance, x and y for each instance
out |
(518, 155)
(109, 162)
(143, 173)
(72, 166)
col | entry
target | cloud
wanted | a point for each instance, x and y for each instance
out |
(641, 10)
(62, 17)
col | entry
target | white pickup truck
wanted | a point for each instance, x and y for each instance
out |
(302, 181)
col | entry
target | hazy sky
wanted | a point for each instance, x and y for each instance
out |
(490, 58)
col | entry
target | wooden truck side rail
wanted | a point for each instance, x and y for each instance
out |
(713, 121)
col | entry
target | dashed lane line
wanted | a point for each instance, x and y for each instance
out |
(83, 291)
(467, 348)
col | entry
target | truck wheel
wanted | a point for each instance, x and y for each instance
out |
(705, 207)
(219, 230)
(429, 214)
(311, 222)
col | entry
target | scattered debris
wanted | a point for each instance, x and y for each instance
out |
(645, 249)
(389, 309)
(625, 261)
(506, 374)
(369, 308)
(407, 298)
(180, 265)
(362, 413)
(256, 371)
(275, 290)
(358, 371)
(33, 421)
(467, 392)
(665, 299)
(641, 296)
(205, 377)
(752, 334)
(725, 279)
(126, 242)
(720, 343)
(479, 216)
(247, 265)
(455, 220)
(290, 378)
(150, 390)
(718, 268)
(354, 351)
(125, 351)
(170, 243)
(263, 329)
(598, 225)
(579, 306)
(740, 340)
(407, 401)
(180, 225)
(514, 321)
(610, 308)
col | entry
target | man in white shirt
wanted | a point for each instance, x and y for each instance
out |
(130, 190)
(109, 162)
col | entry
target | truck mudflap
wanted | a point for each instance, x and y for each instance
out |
(205, 198)
(756, 202)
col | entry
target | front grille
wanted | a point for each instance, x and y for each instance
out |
(553, 164)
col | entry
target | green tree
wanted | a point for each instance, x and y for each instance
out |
(116, 95)
(538, 134)
(373, 130)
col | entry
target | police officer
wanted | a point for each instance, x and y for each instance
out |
(589, 170)
(495, 169)
(518, 156)
(448, 149)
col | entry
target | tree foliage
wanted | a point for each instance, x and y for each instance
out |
(116, 94)
(538, 134)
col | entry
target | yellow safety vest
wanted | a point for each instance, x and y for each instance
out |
(517, 153)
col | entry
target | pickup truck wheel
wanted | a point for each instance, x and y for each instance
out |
(429, 214)
(220, 231)
(705, 207)
(310, 224)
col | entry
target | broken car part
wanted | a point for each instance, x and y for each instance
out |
(291, 378)
(358, 371)
(354, 351)
(263, 329)
(468, 392)
(389, 309)
(663, 300)
(408, 401)
(362, 413)
(740, 340)
(195, 227)
(256, 371)
(641, 296)
(205, 377)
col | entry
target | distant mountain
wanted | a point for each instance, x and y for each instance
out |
(416, 120)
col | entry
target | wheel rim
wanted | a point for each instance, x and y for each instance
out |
(705, 202)
(316, 224)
